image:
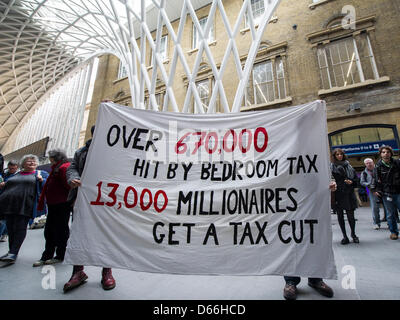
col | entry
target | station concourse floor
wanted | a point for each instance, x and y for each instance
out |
(376, 261)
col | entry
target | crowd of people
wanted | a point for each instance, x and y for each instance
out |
(382, 185)
(26, 192)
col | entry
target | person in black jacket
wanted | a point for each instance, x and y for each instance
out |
(345, 199)
(386, 185)
(74, 173)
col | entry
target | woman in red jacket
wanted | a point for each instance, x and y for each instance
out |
(55, 193)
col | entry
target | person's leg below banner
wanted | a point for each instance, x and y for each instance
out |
(107, 279)
(321, 287)
(78, 278)
(290, 289)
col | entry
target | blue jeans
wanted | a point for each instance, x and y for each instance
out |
(296, 280)
(375, 208)
(391, 207)
(3, 227)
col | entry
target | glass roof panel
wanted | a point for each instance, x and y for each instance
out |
(53, 37)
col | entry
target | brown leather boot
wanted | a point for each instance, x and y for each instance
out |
(107, 280)
(76, 280)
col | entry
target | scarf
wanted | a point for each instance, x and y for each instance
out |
(349, 171)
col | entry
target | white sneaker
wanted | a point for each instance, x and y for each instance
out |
(376, 227)
(4, 238)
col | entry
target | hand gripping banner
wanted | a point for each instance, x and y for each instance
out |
(216, 194)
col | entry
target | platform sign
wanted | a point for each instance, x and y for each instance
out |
(368, 147)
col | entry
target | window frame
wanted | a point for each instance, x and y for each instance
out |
(265, 83)
(160, 91)
(159, 95)
(122, 71)
(364, 26)
(256, 22)
(211, 36)
(330, 65)
(210, 83)
(165, 57)
(276, 53)
(275, 82)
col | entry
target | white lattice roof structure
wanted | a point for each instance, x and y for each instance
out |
(41, 41)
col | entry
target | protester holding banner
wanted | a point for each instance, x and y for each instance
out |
(18, 203)
(290, 289)
(55, 193)
(345, 199)
(386, 185)
(74, 173)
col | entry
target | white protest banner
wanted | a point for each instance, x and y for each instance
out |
(218, 194)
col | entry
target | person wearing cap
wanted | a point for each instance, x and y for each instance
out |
(386, 185)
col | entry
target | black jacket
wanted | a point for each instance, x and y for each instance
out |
(386, 179)
(345, 197)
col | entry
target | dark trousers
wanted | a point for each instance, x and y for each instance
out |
(56, 231)
(296, 280)
(17, 226)
(350, 219)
